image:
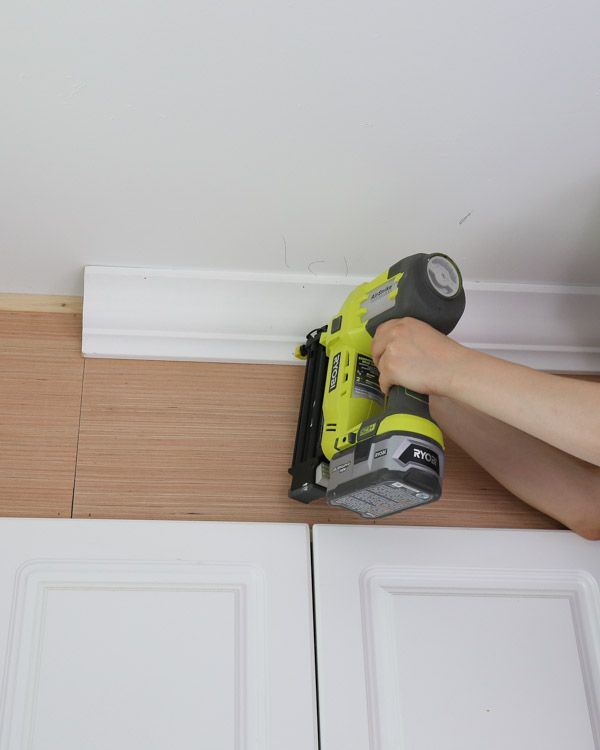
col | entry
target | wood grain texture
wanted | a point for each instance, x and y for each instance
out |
(213, 442)
(176, 440)
(42, 303)
(41, 375)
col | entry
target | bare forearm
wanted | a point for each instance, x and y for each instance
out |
(558, 484)
(560, 411)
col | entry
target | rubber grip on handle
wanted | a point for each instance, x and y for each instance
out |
(401, 400)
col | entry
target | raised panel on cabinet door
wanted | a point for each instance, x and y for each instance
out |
(130, 635)
(457, 638)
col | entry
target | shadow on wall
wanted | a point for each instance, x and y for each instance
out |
(570, 220)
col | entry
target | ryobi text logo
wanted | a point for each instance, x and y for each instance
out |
(335, 371)
(417, 454)
(424, 455)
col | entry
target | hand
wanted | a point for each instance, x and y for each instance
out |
(411, 353)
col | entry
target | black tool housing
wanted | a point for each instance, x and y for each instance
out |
(418, 298)
(307, 447)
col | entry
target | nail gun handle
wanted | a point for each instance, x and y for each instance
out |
(402, 400)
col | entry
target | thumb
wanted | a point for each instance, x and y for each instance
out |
(385, 381)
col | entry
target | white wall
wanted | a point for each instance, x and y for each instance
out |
(203, 132)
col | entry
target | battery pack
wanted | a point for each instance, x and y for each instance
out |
(386, 474)
(383, 499)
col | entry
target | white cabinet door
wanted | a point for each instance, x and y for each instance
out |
(461, 639)
(125, 635)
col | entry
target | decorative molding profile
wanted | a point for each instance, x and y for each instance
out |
(227, 316)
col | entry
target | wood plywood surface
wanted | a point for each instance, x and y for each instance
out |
(189, 440)
(41, 375)
(42, 303)
(213, 442)
(177, 440)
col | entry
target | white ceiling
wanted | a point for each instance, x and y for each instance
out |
(204, 132)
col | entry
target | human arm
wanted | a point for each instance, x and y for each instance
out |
(562, 412)
(549, 479)
(489, 406)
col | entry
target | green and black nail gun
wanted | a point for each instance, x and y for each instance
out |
(372, 455)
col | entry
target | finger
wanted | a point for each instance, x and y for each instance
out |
(376, 354)
(384, 335)
(385, 380)
(385, 384)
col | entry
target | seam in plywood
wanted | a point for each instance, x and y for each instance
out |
(78, 436)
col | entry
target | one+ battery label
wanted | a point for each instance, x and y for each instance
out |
(366, 380)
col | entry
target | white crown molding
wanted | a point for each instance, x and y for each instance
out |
(208, 315)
